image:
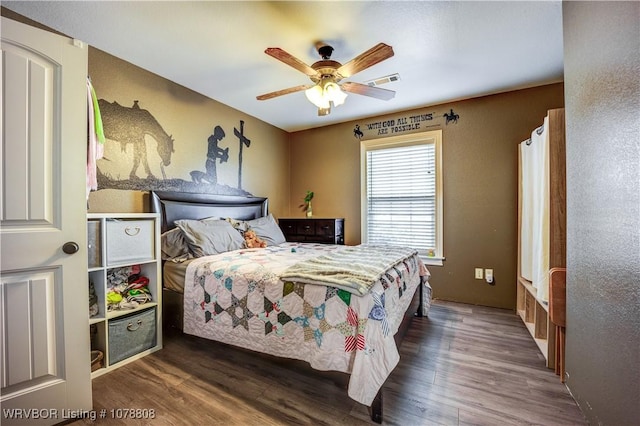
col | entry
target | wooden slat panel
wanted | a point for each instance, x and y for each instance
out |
(557, 190)
(558, 296)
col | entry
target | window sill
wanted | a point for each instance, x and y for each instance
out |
(432, 261)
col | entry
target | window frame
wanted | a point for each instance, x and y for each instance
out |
(429, 137)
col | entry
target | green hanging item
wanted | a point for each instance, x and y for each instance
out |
(97, 117)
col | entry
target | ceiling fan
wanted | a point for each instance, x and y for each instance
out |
(326, 74)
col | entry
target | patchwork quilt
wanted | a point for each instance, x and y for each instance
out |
(239, 298)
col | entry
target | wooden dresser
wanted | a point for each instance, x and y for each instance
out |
(313, 230)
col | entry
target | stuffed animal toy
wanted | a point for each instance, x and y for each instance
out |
(251, 240)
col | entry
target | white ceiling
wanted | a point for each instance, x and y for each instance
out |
(444, 50)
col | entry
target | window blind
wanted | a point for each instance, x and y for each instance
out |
(401, 196)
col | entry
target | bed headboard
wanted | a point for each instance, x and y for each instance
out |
(186, 205)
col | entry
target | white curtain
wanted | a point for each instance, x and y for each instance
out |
(534, 230)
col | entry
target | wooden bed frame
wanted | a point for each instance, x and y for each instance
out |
(180, 205)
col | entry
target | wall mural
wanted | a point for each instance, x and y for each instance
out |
(134, 128)
(400, 125)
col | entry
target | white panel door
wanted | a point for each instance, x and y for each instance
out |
(45, 371)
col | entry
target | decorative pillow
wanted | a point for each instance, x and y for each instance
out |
(267, 229)
(174, 246)
(210, 237)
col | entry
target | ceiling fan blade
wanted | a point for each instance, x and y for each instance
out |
(283, 92)
(290, 60)
(376, 54)
(363, 89)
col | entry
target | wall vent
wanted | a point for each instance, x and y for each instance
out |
(383, 80)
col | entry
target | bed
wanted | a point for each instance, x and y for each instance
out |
(289, 299)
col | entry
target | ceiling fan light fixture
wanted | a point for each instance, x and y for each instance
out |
(326, 74)
(316, 96)
(325, 92)
(333, 92)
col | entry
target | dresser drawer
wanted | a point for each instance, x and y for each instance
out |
(306, 227)
(130, 241)
(325, 228)
(131, 334)
(288, 226)
(312, 230)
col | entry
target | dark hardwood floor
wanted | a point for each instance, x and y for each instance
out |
(463, 365)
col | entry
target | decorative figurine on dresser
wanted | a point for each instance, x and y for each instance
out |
(313, 230)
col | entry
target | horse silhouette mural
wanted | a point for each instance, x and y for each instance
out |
(130, 125)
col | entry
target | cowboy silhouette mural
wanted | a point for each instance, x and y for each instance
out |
(133, 128)
(214, 152)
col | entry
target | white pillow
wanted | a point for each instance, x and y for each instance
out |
(210, 237)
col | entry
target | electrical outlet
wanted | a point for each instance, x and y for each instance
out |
(478, 273)
(488, 274)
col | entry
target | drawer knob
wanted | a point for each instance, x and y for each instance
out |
(132, 232)
(70, 247)
(131, 327)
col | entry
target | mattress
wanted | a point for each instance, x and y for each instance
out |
(173, 274)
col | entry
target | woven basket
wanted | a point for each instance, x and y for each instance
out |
(96, 360)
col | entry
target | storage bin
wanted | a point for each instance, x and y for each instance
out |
(131, 334)
(93, 244)
(129, 241)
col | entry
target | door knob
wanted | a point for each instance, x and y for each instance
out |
(70, 247)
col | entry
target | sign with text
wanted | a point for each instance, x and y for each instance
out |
(402, 124)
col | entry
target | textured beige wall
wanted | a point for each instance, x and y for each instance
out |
(480, 184)
(602, 72)
(190, 118)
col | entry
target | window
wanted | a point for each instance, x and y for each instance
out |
(402, 193)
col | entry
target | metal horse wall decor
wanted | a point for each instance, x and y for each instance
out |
(451, 117)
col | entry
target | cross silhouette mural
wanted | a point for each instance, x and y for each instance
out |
(243, 141)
